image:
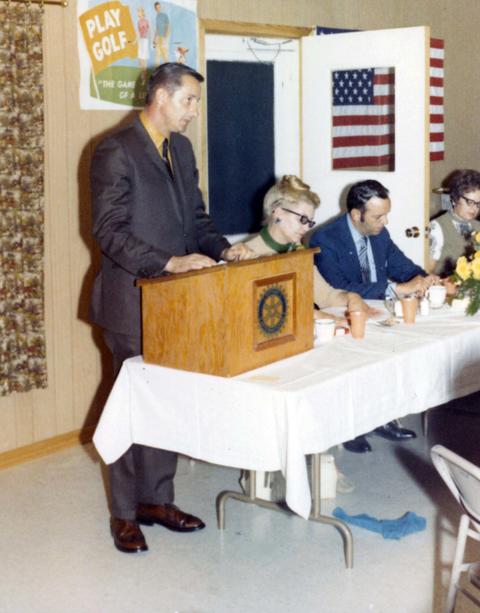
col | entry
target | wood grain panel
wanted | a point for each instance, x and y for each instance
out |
(76, 357)
(24, 405)
(8, 432)
(184, 321)
(216, 320)
(58, 219)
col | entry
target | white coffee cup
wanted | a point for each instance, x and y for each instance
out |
(324, 329)
(436, 295)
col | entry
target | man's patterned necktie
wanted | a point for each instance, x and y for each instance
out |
(363, 259)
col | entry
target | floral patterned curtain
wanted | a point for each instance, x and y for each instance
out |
(22, 337)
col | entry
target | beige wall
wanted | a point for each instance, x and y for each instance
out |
(76, 359)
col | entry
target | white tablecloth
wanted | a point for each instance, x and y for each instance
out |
(270, 418)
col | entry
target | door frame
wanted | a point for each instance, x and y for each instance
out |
(238, 28)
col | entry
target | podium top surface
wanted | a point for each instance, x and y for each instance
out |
(222, 267)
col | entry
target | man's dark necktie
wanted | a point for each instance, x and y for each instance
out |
(165, 157)
(363, 259)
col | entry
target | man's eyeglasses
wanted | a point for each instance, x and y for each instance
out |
(471, 203)
(304, 220)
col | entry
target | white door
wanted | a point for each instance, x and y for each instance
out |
(406, 51)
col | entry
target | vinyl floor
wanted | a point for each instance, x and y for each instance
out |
(56, 553)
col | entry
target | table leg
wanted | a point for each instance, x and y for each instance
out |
(315, 515)
(249, 498)
(326, 519)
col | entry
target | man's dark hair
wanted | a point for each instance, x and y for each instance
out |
(170, 76)
(463, 181)
(360, 193)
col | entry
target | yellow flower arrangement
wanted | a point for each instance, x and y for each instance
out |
(467, 279)
(475, 264)
(463, 268)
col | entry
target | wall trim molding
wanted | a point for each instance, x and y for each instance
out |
(46, 447)
(243, 28)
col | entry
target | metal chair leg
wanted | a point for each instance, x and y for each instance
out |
(457, 563)
(425, 423)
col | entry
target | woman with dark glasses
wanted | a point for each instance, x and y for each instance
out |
(453, 233)
(288, 209)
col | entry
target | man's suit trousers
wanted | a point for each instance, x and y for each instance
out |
(143, 474)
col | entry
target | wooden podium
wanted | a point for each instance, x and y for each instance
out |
(230, 318)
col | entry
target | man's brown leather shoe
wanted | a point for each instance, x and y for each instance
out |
(169, 516)
(127, 535)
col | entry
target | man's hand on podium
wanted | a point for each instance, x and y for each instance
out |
(240, 251)
(185, 263)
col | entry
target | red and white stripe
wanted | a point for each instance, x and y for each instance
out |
(437, 129)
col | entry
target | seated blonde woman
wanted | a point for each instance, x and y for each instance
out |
(288, 209)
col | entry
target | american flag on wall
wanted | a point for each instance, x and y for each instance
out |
(363, 130)
(363, 118)
(437, 130)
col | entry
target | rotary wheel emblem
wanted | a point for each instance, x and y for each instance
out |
(272, 311)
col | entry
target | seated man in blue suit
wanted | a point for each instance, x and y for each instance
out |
(358, 255)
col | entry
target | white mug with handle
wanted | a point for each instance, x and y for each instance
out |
(436, 295)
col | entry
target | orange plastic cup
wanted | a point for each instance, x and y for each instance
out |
(357, 320)
(409, 309)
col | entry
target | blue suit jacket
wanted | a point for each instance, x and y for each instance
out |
(338, 260)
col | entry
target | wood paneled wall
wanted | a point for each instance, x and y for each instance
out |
(78, 367)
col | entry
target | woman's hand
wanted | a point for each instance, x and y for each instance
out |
(339, 320)
(237, 252)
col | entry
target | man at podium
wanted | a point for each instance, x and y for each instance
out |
(149, 219)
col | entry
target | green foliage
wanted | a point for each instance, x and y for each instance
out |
(468, 288)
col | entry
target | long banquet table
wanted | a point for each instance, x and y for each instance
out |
(270, 418)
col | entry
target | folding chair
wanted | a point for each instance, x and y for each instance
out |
(463, 479)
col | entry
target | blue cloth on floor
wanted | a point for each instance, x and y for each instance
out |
(388, 528)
